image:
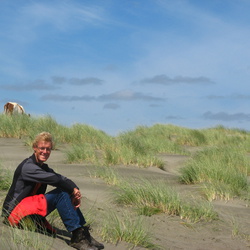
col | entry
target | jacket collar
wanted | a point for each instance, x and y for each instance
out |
(33, 158)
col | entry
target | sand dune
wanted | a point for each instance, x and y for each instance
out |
(169, 231)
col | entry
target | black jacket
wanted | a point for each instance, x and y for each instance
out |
(26, 176)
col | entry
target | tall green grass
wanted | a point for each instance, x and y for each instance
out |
(155, 139)
(141, 146)
(81, 133)
(81, 152)
(222, 170)
(119, 153)
(133, 230)
(223, 136)
(151, 197)
(15, 126)
(5, 178)
(24, 240)
(25, 237)
(137, 147)
(106, 173)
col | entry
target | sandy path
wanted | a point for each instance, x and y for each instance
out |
(169, 232)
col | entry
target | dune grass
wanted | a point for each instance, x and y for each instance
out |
(223, 136)
(14, 126)
(79, 133)
(25, 238)
(141, 146)
(119, 153)
(222, 170)
(155, 139)
(106, 173)
(5, 178)
(131, 148)
(81, 152)
(131, 229)
(150, 197)
(137, 147)
(237, 231)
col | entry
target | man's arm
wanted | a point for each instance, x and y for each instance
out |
(32, 172)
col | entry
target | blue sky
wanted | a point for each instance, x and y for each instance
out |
(116, 65)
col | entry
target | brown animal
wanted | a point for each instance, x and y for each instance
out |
(13, 108)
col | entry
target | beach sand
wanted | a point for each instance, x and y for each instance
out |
(170, 232)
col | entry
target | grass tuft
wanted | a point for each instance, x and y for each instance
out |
(222, 170)
(128, 229)
(108, 174)
(5, 178)
(149, 198)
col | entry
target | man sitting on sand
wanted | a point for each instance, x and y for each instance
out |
(26, 196)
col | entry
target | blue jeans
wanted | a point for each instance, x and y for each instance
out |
(71, 217)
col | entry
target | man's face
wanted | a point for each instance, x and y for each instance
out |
(42, 151)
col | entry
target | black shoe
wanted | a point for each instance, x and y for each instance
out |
(80, 241)
(83, 245)
(94, 242)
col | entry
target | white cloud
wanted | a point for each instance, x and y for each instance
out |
(62, 15)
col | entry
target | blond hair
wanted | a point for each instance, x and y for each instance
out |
(44, 136)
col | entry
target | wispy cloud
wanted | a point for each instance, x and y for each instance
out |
(223, 116)
(128, 95)
(34, 20)
(173, 117)
(67, 98)
(77, 81)
(35, 85)
(111, 106)
(84, 81)
(125, 95)
(233, 96)
(215, 97)
(165, 80)
(153, 105)
(58, 79)
(61, 15)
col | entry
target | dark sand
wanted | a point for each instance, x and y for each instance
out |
(168, 231)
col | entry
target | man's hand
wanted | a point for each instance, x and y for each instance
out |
(76, 198)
